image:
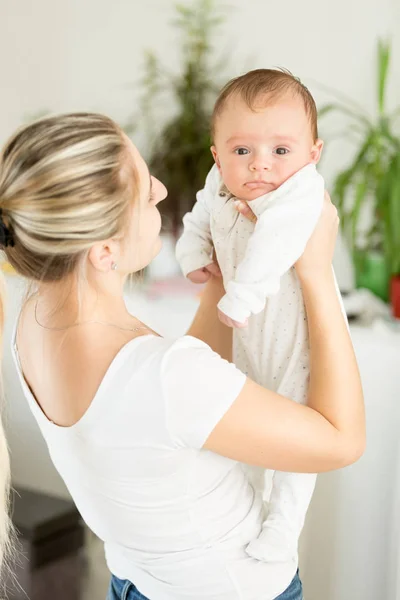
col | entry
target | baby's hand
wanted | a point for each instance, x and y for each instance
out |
(230, 322)
(204, 274)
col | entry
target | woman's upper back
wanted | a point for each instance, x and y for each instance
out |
(132, 461)
(64, 367)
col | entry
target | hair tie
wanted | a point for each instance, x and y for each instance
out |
(6, 235)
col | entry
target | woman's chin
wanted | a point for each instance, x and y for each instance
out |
(158, 246)
(156, 250)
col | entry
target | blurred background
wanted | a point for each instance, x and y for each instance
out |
(156, 68)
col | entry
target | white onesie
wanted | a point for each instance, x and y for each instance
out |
(261, 284)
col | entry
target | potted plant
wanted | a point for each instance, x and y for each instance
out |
(388, 200)
(179, 153)
(369, 188)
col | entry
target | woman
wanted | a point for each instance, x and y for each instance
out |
(147, 433)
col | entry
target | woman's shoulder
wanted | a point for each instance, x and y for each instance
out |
(175, 362)
(188, 350)
(148, 350)
(158, 345)
(152, 350)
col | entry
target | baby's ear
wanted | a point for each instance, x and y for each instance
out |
(215, 155)
(316, 151)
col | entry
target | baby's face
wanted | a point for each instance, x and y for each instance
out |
(257, 151)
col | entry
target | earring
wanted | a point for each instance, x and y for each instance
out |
(114, 266)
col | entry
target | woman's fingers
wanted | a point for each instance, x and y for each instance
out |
(214, 269)
(245, 210)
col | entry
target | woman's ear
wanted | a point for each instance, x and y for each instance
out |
(101, 256)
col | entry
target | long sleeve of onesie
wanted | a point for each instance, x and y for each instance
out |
(194, 248)
(286, 219)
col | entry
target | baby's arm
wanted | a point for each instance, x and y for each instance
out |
(285, 223)
(194, 249)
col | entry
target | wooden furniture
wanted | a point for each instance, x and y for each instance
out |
(51, 536)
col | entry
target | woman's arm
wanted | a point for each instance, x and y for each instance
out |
(206, 325)
(264, 428)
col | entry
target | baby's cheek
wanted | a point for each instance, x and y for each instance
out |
(234, 179)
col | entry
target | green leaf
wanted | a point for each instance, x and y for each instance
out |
(383, 68)
(184, 11)
(361, 189)
(344, 184)
(326, 109)
(394, 225)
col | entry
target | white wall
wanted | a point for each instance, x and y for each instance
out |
(73, 55)
(85, 55)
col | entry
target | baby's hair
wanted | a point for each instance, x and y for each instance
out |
(259, 87)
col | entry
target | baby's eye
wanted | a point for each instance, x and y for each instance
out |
(241, 151)
(281, 151)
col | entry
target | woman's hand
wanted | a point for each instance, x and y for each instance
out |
(318, 255)
(244, 209)
(319, 251)
(204, 274)
(231, 322)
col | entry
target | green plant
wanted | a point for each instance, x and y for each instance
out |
(388, 194)
(372, 180)
(180, 152)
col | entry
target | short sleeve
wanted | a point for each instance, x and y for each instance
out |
(199, 388)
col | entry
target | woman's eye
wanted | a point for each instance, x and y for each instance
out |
(281, 151)
(241, 151)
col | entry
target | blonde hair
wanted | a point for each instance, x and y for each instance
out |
(262, 86)
(65, 183)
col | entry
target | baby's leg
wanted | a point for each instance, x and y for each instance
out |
(290, 498)
(291, 492)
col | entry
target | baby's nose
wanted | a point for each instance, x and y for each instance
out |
(261, 163)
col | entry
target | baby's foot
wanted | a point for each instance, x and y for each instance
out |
(273, 545)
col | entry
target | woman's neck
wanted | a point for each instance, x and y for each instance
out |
(63, 303)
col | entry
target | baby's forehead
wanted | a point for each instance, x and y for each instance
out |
(281, 115)
(265, 103)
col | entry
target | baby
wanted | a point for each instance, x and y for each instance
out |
(265, 149)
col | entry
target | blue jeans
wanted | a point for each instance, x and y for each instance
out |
(122, 589)
(294, 591)
(125, 590)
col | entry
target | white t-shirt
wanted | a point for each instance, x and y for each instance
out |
(175, 519)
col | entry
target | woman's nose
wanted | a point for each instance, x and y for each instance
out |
(160, 192)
